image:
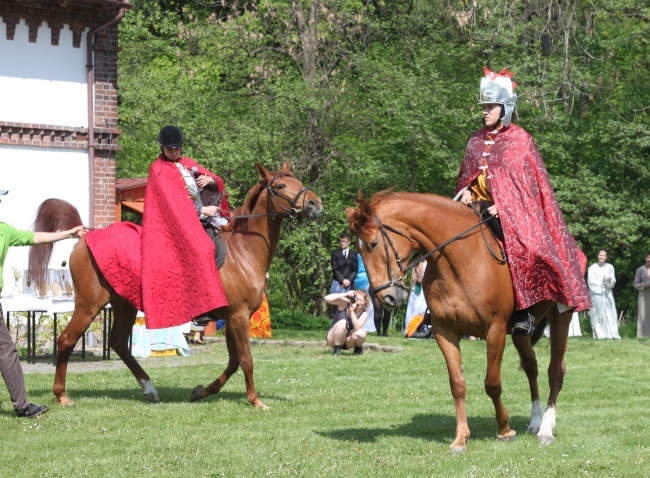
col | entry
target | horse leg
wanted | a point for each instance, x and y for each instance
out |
(496, 342)
(81, 319)
(239, 353)
(124, 314)
(529, 365)
(559, 324)
(449, 345)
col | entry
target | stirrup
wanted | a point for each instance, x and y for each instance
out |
(525, 327)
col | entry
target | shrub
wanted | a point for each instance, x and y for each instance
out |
(293, 319)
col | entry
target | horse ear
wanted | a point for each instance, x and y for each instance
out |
(365, 207)
(264, 174)
(349, 212)
(286, 168)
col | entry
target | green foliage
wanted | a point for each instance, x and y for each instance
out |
(293, 319)
(376, 95)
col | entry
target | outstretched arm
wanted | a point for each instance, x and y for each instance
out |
(50, 237)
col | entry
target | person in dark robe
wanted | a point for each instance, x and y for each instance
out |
(503, 172)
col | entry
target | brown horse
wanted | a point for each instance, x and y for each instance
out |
(468, 291)
(251, 242)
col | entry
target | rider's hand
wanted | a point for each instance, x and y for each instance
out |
(466, 197)
(210, 210)
(204, 180)
(493, 210)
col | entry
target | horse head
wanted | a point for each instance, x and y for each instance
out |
(287, 194)
(384, 249)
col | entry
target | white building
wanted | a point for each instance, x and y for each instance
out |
(58, 113)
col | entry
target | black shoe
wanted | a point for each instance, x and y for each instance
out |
(525, 326)
(358, 350)
(337, 350)
(32, 411)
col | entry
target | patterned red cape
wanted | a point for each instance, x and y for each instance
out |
(544, 260)
(180, 280)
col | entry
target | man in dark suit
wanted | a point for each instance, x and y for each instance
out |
(344, 265)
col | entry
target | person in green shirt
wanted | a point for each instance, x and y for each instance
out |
(10, 368)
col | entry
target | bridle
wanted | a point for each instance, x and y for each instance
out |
(403, 271)
(292, 211)
(388, 241)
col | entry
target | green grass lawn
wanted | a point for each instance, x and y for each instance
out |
(380, 414)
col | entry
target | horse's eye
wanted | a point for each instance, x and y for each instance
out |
(281, 186)
(373, 245)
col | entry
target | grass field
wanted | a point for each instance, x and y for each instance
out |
(380, 414)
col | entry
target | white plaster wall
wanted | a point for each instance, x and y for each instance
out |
(32, 175)
(41, 83)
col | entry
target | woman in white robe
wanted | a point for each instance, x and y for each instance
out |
(601, 280)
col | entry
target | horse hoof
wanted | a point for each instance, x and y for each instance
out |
(458, 449)
(545, 439)
(198, 393)
(533, 430)
(152, 397)
(65, 401)
(507, 438)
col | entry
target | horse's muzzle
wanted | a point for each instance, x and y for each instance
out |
(392, 297)
(313, 209)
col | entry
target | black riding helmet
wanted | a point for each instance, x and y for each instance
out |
(170, 137)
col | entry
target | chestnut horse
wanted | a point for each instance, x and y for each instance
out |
(468, 290)
(251, 241)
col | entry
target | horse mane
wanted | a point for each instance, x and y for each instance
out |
(52, 215)
(362, 220)
(252, 198)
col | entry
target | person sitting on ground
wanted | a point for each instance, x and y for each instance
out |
(346, 330)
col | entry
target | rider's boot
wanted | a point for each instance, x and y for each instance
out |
(523, 322)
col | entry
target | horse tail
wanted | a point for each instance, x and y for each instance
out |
(539, 330)
(52, 215)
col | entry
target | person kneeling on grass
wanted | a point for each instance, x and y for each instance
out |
(346, 329)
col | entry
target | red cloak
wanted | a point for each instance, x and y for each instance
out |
(180, 280)
(116, 249)
(544, 260)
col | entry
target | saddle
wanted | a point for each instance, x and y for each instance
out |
(211, 197)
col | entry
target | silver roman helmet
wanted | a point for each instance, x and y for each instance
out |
(497, 88)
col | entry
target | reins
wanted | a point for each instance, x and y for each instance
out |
(388, 241)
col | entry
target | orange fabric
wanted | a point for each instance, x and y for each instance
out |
(260, 322)
(414, 324)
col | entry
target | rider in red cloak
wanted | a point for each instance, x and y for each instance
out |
(180, 280)
(503, 171)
